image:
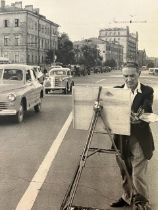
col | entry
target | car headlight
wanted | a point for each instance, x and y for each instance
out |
(12, 97)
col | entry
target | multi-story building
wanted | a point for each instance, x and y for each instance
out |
(107, 50)
(25, 35)
(142, 58)
(128, 40)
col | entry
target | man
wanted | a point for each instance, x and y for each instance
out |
(137, 148)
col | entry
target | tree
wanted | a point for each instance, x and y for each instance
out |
(112, 63)
(65, 52)
(50, 56)
(150, 64)
(89, 56)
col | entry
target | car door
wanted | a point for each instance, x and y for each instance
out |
(37, 87)
(69, 78)
(30, 89)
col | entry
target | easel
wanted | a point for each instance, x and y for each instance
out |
(70, 194)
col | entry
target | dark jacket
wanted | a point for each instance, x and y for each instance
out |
(142, 130)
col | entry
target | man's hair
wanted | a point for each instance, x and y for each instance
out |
(131, 65)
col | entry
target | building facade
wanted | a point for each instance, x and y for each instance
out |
(25, 35)
(107, 50)
(142, 58)
(128, 40)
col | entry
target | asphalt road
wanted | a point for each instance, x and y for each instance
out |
(38, 159)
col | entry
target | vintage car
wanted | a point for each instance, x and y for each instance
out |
(59, 79)
(153, 71)
(20, 90)
(55, 67)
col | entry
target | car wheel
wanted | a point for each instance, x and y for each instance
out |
(37, 108)
(46, 91)
(66, 90)
(20, 114)
(72, 84)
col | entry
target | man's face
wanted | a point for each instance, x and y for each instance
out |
(131, 76)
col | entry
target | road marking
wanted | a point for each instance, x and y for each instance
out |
(29, 197)
(58, 95)
(100, 80)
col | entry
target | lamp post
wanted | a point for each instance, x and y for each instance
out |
(54, 47)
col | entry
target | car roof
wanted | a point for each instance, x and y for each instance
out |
(56, 69)
(56, 66)
(17, 66)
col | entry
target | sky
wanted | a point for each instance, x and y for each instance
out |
(82, 19)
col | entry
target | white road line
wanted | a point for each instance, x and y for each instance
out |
(29, 197)
(58, 95)
(100, 80)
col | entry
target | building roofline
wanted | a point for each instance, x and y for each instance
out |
(7, 11)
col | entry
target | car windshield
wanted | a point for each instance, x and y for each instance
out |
(58, 72)
(13, 74)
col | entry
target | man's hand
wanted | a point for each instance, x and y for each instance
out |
(149, 117)
(134, 118)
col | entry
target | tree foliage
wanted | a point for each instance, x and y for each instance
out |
(111, 63)
(50, 56)
(150, 64)
(65, 52)
(89, 56)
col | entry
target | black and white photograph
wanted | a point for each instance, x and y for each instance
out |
(78, 105)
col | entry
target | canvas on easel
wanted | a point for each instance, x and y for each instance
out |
(116, 108)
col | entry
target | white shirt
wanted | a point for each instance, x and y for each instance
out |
(133, 94)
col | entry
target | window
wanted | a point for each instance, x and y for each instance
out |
(36, 41)
(16, 22)
(28, 58)
(17, 57)
(34, 74)
(17, 40)
(5, 54)
(6, 40)
(36, 26)
(28, 76)
(6, 23)
(13, 74)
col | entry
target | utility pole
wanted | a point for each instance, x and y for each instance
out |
(38, 42)
(26, 40)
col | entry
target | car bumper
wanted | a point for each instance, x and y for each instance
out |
(8, 112)
(55, 88)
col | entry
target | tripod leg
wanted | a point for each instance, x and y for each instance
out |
(70, 194)
(69, 197)
(118, 155)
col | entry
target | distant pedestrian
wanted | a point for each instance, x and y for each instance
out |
(45, 71)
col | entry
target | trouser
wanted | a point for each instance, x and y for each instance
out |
(136, 165)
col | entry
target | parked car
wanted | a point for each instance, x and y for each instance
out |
(153, 71)
(55, 67)
(20, 90)
(106, 69)
(59, 79)
(39, 73)
(98, 69)
(76, 71)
